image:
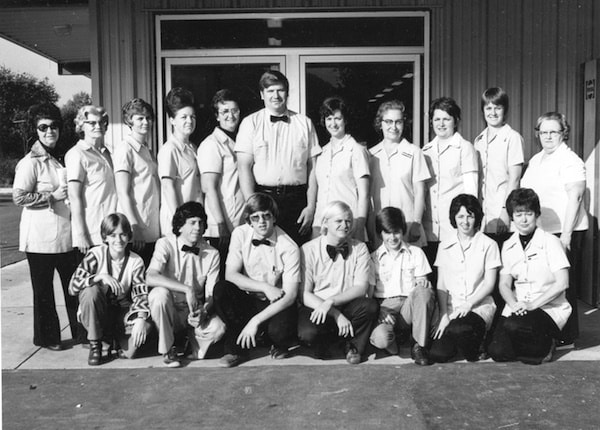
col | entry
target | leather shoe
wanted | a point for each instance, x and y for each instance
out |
(95, 355)
(56, 347)
(419, 355)
(352, 356)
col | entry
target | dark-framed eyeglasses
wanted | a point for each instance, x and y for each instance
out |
(44, 127)
(256, 217)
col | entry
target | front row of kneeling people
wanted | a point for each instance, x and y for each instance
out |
(328, 290)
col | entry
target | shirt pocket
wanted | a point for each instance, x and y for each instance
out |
(261, 149)
(300, 154)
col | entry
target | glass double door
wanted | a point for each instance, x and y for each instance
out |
(364, 79)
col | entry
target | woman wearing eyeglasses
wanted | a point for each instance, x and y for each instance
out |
(90, 177)
(40, 189)
(398, 174)
(557, 175)
(342, 169)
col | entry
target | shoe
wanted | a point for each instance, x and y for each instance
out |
(419, 355)
(230, 360)
(57, 347)
(171, 359)
(95, 355)
(278, 353)
(352, 356)
(548, 357)
(563, 345)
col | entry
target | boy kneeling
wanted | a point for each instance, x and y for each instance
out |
(404, 294)
(262, 279)
(182, 274)
(336, 280)
(113, 297)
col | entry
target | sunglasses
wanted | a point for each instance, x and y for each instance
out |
(44, 127)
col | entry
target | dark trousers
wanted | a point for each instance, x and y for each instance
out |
(223, 247)
(464, 334)
(570, 331)
(291, 201)
(146, 252)
(527, 338)
(235, 307)
(361, 312)
(46, 325)
(430, 251)
(499, 238)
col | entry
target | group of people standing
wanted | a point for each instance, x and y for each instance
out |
(260, 235)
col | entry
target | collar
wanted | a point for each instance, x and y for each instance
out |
(454, 141)
(562, 148)
(272, 238)
(380, 147)
(179, 144)
(382, 250)
(537, 241)
(88, 147)
(500, 135)
(133, 143)
(344, 145)
(38, 150)
(221, 137)
(454, 241)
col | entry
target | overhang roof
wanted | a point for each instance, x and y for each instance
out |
(58, 30)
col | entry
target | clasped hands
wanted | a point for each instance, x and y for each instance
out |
(319, 316)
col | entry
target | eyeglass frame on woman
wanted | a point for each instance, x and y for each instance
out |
(42, 128)
(550, 133)
(95, 123)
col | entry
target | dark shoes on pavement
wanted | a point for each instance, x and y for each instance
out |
(170, 359)
(95, 355)
(352, 355)
(230, 360)
(419, 355)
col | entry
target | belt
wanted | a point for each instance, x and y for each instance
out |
(281, 189)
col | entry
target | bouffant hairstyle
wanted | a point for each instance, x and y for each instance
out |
(111, 222)
(259, 202)
(383, 108)
(136, 107)
(523, 198)
(496, 96)
(84, 112)
(273, 77)
(186, 211)
(472, 206)
(449, 106)
(178, 98)
(331, 105)
(555, 116)
(42, 111)
(390, 220)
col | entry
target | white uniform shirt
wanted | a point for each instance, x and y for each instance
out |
(496, 156)
(93, 169)
(337, 174)
(533, 271)
(394, 275)
(216, 155)
(330, 277)
(177, 160)
(448, 163)
(547, 175)
(464, 272)
(281, 149)
(137, 160)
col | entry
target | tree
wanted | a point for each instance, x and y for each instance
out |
(19, 91)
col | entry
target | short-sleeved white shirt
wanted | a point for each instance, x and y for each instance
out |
(186, 267)
(216, 155)
(281, 149)
(547, 175)
(448, 163)
(393, 177)
(464, 272)
(137, 160)
(394, 275)
(177, 160)
(263, 262)
(93, 169)
(42, 230)
(338, 173)
(533, 271)
(330, 277)
(496, 156)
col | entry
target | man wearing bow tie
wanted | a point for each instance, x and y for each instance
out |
(276, 150)
(262, 280)
(182, 274)
(336, 279)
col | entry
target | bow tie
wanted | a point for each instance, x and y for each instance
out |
(283, 118)
(258, 242)
(193, 249)
(344, 250)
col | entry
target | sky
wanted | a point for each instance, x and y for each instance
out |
(21, 60)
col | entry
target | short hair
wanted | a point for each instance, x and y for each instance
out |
(472, 206)
(331, 209)
(222, 96)
(111, 222)
(186, 211)
(523, 198)
(495, 95)
(390, 220)
(259, 202)
(136, 107)
(84, 112)
(449, 106)
(383, 108)
(273, 77)
(42, 111)
(332, 104)
(177, 99)
(554, 116)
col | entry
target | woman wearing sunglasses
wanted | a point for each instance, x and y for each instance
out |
(45, 231)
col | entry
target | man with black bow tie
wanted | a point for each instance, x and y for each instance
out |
(276, 150)
(182, 274)
(262, 280)
(336, 279)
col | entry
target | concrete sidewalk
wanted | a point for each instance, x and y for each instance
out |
(18, 351)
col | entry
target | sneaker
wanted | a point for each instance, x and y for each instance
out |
(171, 359)
(352, 356)
(278, 353)
(548, 357)
(230, 360)
(563, 345)
(419, 355)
